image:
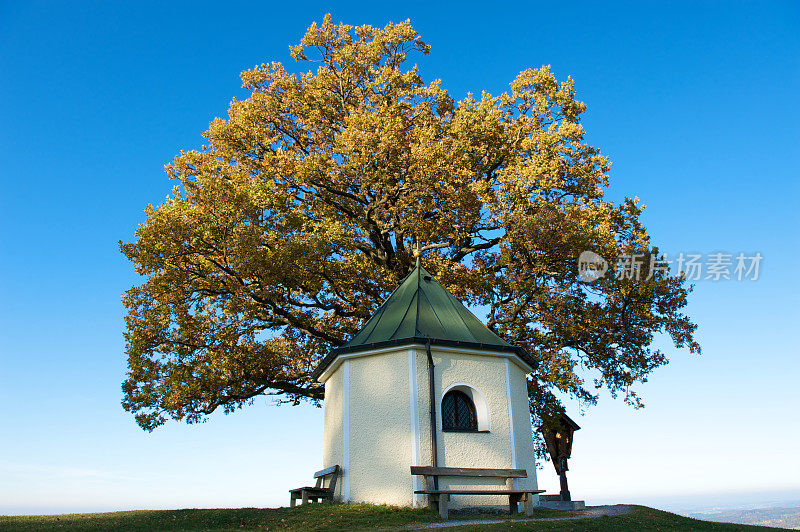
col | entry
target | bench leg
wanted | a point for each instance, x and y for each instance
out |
(433, 503)
(513, 500)
(443, 505)
(529, 505)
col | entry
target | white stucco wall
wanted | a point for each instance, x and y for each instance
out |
(380, 434)
(385, 440)
(523, 430)
(487, 374)
(332, 436)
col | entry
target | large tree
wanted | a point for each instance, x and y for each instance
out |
(307, 206)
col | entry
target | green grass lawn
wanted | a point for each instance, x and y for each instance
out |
(344, 517)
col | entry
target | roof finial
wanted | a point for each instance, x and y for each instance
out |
(415, 250)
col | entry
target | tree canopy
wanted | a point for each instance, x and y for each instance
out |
(306, 207)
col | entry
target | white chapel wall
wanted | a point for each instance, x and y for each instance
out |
(333, 425)
(380, 429)
(487, 374)
(384, 442)
(523, 431)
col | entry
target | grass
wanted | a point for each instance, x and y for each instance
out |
(346, 517)
(640, 518)
(310, 517)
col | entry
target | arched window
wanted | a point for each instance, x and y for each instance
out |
(458, 412)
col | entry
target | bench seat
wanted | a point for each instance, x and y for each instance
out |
(439, 497)
(320, 492)
(477, 492)
(311, 489)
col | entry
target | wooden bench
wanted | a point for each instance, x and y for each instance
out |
(320, 491)
(439, 497)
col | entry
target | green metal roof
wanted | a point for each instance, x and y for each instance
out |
(421, 310)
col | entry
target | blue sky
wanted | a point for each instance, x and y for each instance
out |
(696, 104)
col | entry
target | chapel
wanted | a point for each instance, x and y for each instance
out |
(422, 360)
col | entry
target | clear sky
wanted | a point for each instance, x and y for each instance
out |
(696, 104)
